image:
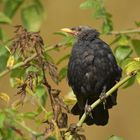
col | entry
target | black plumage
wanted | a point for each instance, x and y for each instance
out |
(92, 70)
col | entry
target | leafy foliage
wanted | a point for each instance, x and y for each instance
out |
(11, 6)
(32, 17)
(122, 52)
(4, 19)
(99, 13)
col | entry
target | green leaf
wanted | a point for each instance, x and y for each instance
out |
(30, 115)
(99, 13)
(63, 73)
(138, 77)
(18, 72)
(39, 5)
(32, 18)
(137, 23)
(130, 82)
(16, 76)
(41, 94)
(3, 62)
(2, 118)
(115, 138)
(48, 57)
(48, 115)
(132, 66)
(3, 50)
(102, 13)
(64, 34)
(125, 62)
(68, 41)
(124, 41)
(31, 69)
(3, 36)
(11, 112)
(107, 27)
(7, 133)
(136, 45)
(4, 19)
(4, 55)
(122, 52)
(11, 7)
(87, 4)
(63, 58)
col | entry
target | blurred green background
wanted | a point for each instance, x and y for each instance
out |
(125, 117)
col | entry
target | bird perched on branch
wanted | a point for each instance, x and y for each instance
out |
(92, 71)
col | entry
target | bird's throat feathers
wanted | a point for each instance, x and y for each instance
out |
(88, 35)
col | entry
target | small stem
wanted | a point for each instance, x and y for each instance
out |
(26, 61)
(42, 107)
(29, 129)
(125, 32)
(111, 91)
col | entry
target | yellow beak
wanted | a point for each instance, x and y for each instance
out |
(68, 30)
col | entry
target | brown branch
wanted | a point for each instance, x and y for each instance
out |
(20, 64)
(45, 82)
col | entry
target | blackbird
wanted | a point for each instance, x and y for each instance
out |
(92, 71)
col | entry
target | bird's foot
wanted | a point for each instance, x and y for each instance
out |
(103, 96)
(88, 109)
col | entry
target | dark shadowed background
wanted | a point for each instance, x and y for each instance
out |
(125, 117)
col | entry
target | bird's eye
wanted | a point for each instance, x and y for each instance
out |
(73, 28)
(79, 29)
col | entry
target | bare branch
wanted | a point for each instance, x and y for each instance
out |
(137, 30)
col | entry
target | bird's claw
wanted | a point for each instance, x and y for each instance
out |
(103, 97)
(88, 109)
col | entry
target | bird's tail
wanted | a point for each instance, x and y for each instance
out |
(99, 115)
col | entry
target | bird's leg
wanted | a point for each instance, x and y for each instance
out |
(103, 96)
(88, 109)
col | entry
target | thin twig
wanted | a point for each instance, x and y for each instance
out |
(20, 64)
(42, 107)
(48, 86)
(29, 129)
(137, 30)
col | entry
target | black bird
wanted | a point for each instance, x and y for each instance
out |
(92, 71)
